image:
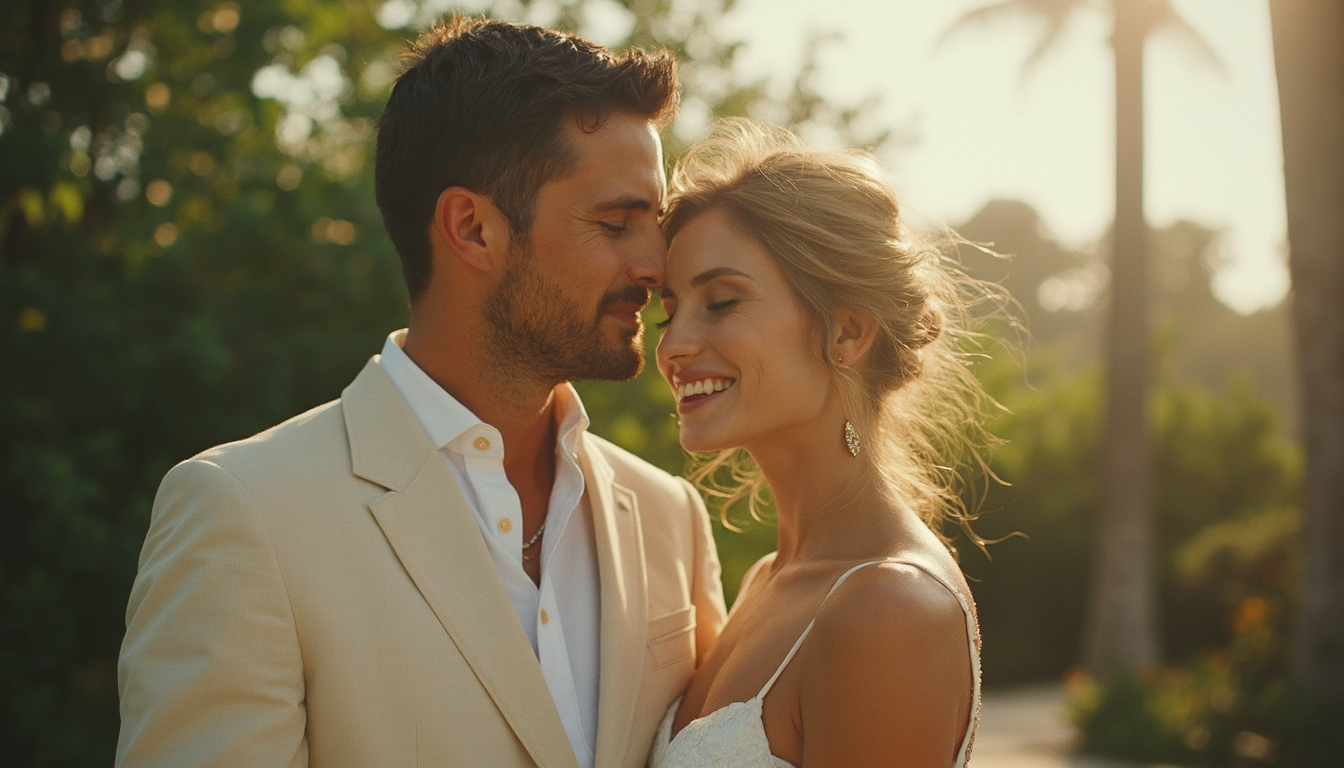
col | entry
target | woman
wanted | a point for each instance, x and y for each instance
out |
(807, 328)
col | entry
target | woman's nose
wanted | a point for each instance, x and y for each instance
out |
(677, 344)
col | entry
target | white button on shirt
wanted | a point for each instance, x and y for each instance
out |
(562, 616)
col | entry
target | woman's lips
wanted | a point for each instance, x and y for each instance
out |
(693, 394)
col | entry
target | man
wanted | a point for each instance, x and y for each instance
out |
(443, 568)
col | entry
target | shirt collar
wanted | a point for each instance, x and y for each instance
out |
(445, 419)
(572, 418)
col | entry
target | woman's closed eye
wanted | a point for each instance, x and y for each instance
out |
(716, 307)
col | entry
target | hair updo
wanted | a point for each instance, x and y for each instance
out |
(834, 228)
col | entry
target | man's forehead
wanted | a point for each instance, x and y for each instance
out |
(621, 142)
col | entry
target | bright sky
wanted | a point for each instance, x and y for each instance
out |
(1213, 151)
(984, 132)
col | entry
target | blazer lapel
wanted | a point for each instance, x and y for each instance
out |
(624, 631)
(433, 532)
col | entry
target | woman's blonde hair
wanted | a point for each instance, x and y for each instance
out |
(834, 228)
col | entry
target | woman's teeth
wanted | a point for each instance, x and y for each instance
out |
(702, 387)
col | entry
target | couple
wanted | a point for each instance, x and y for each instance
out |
(444, 568)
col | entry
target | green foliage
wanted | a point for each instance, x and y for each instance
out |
(1224, 709)
(1231, 702)
(1221, 460)
(1127, 718)
(1230, 707)
(1030, 596)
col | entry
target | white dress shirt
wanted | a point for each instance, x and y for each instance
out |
(562, 616)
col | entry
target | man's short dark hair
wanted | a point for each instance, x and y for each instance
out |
(480, 106)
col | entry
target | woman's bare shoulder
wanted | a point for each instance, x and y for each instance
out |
(893, 603)
(889, 664)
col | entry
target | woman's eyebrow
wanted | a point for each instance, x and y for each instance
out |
(715, 273)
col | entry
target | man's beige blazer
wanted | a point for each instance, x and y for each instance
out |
(320, 595)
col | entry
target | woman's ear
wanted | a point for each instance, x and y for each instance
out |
(852, 335)
(468, 225)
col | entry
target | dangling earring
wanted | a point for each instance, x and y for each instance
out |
(851, 434)
(852, 439)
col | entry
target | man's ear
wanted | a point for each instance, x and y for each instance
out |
(469, 225)
(852, 335)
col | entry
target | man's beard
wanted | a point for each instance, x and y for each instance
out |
(538, 332)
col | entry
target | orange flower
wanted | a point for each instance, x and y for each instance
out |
(1250, 615)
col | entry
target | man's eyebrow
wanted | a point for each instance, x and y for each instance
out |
(625, 203)
(715, 273)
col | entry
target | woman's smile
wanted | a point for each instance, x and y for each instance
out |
(693, 391)
(739, 352)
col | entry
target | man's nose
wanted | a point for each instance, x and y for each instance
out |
(648, 261)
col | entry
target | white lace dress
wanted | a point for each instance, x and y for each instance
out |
(734, 736)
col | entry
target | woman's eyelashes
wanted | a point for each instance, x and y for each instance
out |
(717, 307)
(615, 229)
(670, 307)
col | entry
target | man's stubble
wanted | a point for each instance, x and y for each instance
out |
(540, 333)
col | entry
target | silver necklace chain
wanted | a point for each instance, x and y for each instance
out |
(535, 536)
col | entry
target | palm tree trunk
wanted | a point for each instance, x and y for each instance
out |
(1309, 58)
(1122, 624)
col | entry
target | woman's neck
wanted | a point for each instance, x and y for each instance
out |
(829, 504)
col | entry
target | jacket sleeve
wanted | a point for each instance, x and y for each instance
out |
(210, 672)
(706, 587)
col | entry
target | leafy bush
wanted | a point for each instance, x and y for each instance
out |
(1221, 460)
(1232, 707)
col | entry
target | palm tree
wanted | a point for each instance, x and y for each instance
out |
(1309, 58)
(1122, 614)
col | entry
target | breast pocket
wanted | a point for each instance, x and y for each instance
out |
(672, 637)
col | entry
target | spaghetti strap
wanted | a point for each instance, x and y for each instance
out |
(973, 640)
(972, 637)
(799, 643)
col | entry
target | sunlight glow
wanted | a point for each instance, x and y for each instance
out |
(984, 131)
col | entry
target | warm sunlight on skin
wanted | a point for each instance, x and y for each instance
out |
(739, 352)
(884, 678)
(594, 252)
(598, 226)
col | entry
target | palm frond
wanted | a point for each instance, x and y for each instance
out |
(981, 17)
(1172, 24)
(1054, 30)
(1048, 11)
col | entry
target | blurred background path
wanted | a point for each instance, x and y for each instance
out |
(1026, 727)
(1023, 728)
